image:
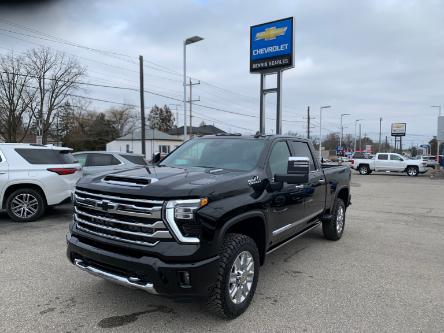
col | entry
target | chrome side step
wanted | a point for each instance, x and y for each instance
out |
(293, 237)
(131, 282)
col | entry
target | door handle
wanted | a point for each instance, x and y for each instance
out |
(299, 187)
(322, 181)
(2, 172)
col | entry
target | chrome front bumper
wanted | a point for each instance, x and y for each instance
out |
(131, 282)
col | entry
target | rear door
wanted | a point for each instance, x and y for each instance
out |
(3, 173)
(382, 162)
(287, 204)
(314, 191)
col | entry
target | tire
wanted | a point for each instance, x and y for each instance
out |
(219, 299)
(25, 205)
(334, 228)
(364, 170)
(412, 171)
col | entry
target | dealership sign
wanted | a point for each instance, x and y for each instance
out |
(271, 46)
(398, 129)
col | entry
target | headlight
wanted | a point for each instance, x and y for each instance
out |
(180, 215)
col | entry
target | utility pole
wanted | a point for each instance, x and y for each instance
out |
(386, 143)
(380, 133)
(308, 122)
(360, 141)
(341, 138)
(142, 107)
(191, 100)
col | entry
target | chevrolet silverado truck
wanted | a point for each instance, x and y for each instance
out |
(389, 162)
(200, 222)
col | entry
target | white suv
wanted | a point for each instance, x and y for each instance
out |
(33, 177)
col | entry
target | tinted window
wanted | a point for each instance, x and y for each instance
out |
(139, 160)
(301, 149)
(101, 160)
(234, 154)
(81, 158)
(46, 156)
(279, 158)
(396, 158)
(383, 157)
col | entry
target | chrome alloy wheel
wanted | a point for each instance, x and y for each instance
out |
(24, 205)
(340, 217)
(241, 277)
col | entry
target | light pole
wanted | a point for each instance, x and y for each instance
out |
(437, 134)
(320, 130)
(186, 42)
(342, 128)
(356, 122)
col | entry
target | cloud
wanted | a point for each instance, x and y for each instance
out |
(368, 58)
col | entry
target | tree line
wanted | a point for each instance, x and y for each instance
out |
(38, 97)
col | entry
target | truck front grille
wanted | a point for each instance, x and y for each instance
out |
(131, 220)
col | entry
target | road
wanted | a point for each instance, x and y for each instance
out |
(385, 274)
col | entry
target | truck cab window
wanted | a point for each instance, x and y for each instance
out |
(278, 161)
(383, 157)
(396, 158)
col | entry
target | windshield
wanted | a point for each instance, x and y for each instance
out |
(233, 154)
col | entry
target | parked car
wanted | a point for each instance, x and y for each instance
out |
(97, 162)
(429, 160)
(360, 155)
(201, 222)
(389, 162)
(33, 177)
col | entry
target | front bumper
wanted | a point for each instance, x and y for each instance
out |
(142, 272)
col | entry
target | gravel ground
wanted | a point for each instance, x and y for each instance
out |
(385, 274)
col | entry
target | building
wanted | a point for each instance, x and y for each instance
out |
(197, 131)
(156, 141)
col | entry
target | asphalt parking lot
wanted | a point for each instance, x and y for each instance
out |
(385, 274)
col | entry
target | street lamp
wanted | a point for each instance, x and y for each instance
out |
(437, 106)
(186, 42)
(356, 122)
(437, 135)
(342, 128)
(320, 130)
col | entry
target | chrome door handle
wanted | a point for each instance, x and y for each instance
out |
(2, 172)
(299, 187)
(321, 181)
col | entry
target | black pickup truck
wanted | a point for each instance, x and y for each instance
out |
(201, 221)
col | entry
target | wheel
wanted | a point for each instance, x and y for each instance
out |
(412, 171)
(25, 205)
(364, 170)
(334, 228)
(237, 278)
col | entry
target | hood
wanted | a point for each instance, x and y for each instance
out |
(169, 183)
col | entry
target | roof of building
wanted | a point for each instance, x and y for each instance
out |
(149, 135)
(201, 130)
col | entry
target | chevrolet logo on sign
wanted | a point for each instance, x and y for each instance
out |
(271, 33)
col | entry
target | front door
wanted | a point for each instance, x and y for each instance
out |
(315, 190)
(397, 162)
(287, 203)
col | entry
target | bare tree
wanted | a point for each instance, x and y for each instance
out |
(123, 119)
(16, 98)
(56, 77)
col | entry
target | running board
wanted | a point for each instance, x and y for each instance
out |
(294, 237)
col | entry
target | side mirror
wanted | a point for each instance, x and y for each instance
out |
(298, 170)
(156, 158)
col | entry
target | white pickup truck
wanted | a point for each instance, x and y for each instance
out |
(389, 162)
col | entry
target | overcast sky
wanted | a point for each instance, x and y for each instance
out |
(368, 58)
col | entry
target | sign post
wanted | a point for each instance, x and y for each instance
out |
(271, 52)
(398, 131)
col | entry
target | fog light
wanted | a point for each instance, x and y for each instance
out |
(185, 280)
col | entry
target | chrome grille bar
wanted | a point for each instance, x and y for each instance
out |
(116, 197)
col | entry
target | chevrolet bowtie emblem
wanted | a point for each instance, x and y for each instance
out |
(106, 205)
(271, 33)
